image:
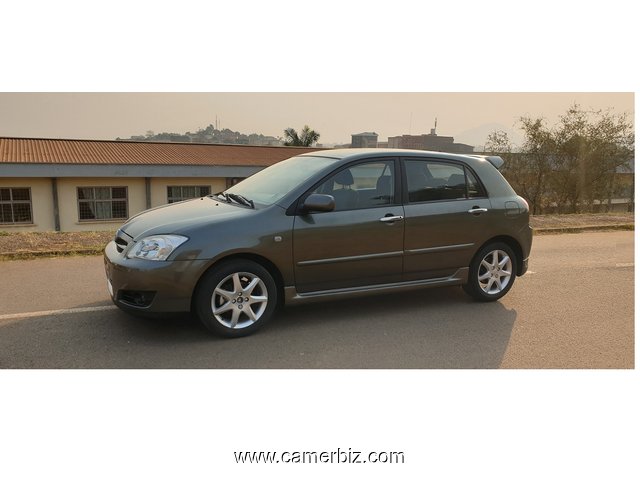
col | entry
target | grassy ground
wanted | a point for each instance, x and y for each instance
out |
(35, 244)
(581, 220)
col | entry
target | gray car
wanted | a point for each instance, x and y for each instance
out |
(324, 225)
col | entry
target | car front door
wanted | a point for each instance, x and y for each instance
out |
(360, 242)
(445, 218)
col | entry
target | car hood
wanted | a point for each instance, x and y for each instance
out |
(182, 217)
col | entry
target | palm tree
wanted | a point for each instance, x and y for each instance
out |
(306, 138)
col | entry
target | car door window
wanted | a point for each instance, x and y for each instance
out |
(435, 181)
(474, 187)
(364, 185)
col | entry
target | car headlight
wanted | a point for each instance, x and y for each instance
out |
(156, 247)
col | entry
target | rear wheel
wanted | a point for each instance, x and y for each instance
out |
(491, 273)
(236, 298)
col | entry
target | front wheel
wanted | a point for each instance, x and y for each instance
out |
(491, 273)
(236, 298)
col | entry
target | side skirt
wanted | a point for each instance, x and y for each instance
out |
(292, 297)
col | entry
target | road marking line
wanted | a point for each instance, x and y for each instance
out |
(618, 265)
(46, 313)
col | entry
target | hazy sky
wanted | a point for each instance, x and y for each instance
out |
(469, 117)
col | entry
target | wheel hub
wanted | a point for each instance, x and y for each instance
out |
(239, 300)
(495, 272)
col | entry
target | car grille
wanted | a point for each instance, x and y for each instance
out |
(122, 240)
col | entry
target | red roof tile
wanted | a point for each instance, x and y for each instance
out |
(101, 152)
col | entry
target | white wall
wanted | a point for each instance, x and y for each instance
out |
(68, 202)
(42, 199)
(159, 186)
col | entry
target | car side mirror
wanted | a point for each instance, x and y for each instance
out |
(317, 202)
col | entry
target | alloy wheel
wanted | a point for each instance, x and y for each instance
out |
(495, 272)
(239, 300)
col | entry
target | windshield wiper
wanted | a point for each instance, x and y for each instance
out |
(234, 197)
(240, 199)
(220, 195)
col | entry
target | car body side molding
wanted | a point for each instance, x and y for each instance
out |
(352, 258)
(292, 297)
(443, 248)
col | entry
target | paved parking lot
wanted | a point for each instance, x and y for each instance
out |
(573, 310)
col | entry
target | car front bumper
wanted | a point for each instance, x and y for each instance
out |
(148, 286)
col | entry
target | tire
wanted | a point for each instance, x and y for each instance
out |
(491, 273)
(236, 298)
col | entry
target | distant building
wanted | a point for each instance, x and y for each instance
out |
(431, 141)
(73, 185)
(364, 140)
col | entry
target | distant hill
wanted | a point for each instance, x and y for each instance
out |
(478, 136)
(207, 135)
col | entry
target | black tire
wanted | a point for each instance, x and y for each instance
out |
(240, 311)
(489, 284)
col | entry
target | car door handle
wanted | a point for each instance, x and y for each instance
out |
(392, 218)
(477, 210)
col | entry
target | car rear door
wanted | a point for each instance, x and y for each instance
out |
(360, 242)
(445, 217)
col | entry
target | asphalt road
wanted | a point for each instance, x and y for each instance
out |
(573, 310)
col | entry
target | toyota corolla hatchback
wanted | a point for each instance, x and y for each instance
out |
(324, 225)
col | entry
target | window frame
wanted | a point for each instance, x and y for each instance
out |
(397, 185)
(182, 199)
(233, 181)
(110, 199)
(13, 202)
(466, 169)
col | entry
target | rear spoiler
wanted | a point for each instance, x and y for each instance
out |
(493, 159)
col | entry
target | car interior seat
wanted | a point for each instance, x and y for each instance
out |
(383, 191)
(345, 197)
(419, 181)
(456, 186)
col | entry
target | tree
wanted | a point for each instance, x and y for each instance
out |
(591, 148)
(498, 142)
(306, 138)
(570, 165)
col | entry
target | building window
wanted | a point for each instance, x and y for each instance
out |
(102, 203)
(15, 205)
(231, 181)
(178, 194)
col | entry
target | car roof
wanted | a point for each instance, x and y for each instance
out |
(348, 154)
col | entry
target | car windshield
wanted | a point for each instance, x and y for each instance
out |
(271, 184)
